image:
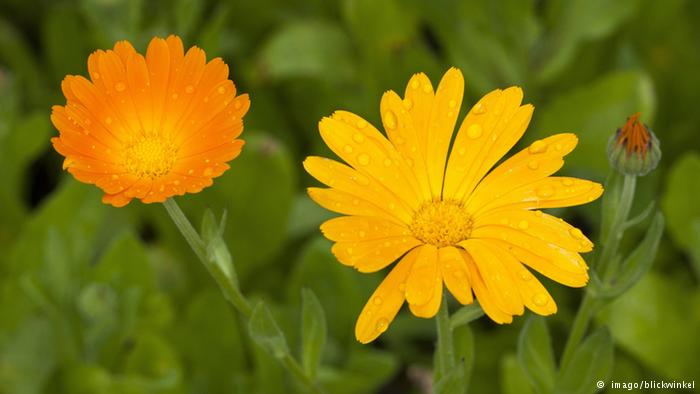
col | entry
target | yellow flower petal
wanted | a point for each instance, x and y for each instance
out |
(429, 309)
(541, 159)
(495, 275)
(402, 132)
(490, 129)
(370, 153)
(419, 98)
(455, 274)
(533, 294)
(443, 117)
(421, 282)
(361, 228)
(385, 302)
(483, 295)
(373, 255)
(550, 192)
(540, 225)
(348, 204)
(558, 264)
(346, 179)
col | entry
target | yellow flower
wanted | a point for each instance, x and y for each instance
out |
(450, 220)
(149, 127)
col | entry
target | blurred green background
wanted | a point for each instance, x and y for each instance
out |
(95, 299)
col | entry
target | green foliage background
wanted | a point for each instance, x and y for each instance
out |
(101, 300)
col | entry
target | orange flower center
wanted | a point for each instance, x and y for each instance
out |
(441, 223)
(150, 157)
(634, 136)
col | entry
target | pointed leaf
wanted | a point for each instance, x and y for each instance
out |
(591, 362)
(266, 333)
(313, 332)
(535, 354)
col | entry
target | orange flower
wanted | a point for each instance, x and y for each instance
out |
(149, 127)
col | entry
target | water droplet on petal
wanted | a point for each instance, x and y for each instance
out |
(538, 214)
(537, 147)
(523, 225)
(427, 88)
(119, 86)
(208, 171)
(359, 138)
(221, 90)
(408, 103)
(363, 159)
(415, 84)
(361, 124)
(402, 287)
(540, 299)
(389, 120)
(474, 131)
(545, 191)
(347, 149)
(525, 275)
(175, 96)
(387, 162)
(362, 234)
(452, 104)
(479, 109)
(108, 120)
(533, 165)
(567, 182)
(382, 325)
(377, 300)
(189, 89)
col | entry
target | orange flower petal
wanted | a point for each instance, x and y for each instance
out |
(424, 274)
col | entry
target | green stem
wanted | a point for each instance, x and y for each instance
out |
(445, 343)
(607, 263)
(228, 288)
(617, 228)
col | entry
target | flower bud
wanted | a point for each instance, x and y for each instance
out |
(634, 149)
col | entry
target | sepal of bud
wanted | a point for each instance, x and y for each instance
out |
(634, 148)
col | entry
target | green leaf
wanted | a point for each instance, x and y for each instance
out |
(463, 338)
(188, 14)
(591, 362)
(154, 358)
(575, 22)
(217, 251)
(306, 216)
(452, 382)
(125, 265)
(87, 379)
(28, 357)
(594, 112)
(64, 24)
(513, 378)
(466, 315)
(364, 372)
(679, 201)
(661, 308)
(639, 261)
(266, 333)
(535, 354)
(313, 332)
(307, 49)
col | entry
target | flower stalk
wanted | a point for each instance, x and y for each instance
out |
(445, 343)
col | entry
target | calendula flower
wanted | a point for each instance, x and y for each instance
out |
(149, 127)
(447, 219)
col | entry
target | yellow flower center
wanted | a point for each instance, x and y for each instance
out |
(150, 157)
(441, 223)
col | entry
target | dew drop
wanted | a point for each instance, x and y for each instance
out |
(387, 162)
(119, 86)
(382, 325)
(377, 300)
(389, 120)
(479, 109)
(538, 147)
(175, 96)
(458, 274)
(409, 162)
(349, 250)
(575, 233)
(359, 138)
(427, 88)
(474, 131)
(461, 151)
(523, 225)
(96, 76)
(533, 165)
(567, 182)
(115, 176)
(545, 191)
(392, 206)
(221, 90)
(190, 172)
(208, 171)
(408, 103)
(525, 275)
(557, 147)
(189, 89)
(414, 84)
(452, 104)
(361, 124)
(347, 149)
(402, 287)
(108, 120)
(363, 159)
(539, 299)
(538, 214)
(362, 234)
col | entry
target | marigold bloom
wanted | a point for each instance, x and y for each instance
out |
(149, 127)
(448, 219)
